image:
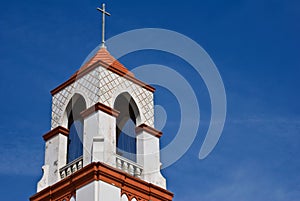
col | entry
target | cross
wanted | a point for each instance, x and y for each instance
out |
(102, 10)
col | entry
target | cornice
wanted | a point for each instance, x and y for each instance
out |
(102, 107)
(98, 171)
(56, 131)
(149, 129)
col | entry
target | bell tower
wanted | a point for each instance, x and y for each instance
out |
(102, 145)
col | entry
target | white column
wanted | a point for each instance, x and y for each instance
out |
(55, 158)
(148, 156)
(99, 139)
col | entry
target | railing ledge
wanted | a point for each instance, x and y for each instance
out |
(71, 167)
(128, 166)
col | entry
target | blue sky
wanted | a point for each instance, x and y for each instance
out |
(254, 43)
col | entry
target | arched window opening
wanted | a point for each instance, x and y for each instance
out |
(125, 126)
(75, 126)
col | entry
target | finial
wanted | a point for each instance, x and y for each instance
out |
(103, 23)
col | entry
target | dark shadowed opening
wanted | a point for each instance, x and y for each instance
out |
(75, 125)
(125, 126)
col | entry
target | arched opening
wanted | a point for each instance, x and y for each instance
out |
(124, 197)
(75, 125)
(125, 126)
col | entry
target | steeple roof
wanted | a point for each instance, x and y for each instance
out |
(103, 55)
(105, 59)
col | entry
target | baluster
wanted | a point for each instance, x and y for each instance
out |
(131, 169)
(119, 164)
(69, 171)
(137, 172)
(74, 168)
(79, 165)
(125, 166)
(63, 174)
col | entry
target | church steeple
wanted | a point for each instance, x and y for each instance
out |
(102, 145)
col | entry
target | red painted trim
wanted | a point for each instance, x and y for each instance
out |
(102, 107)
(56, 131)
(149, 129)
(111, 68)
(102, 172)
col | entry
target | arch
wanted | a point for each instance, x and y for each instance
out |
(129, 93)
(125, 126)
(124, 197)
(75, 124)
(77, 93)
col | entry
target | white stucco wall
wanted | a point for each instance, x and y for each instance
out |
(87, 192)
(98, 191)
(101, 85)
